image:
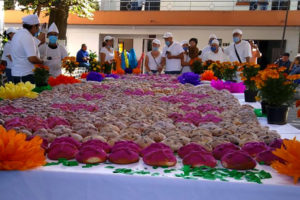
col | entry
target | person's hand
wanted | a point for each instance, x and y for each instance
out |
(169, 56)
(42, 38)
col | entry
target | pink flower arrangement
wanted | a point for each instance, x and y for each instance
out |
(194, 118)
(8, 110)
(230, 86)
(102, 86)
(87, 96)
(55, 121)
(184, 97)
(75, 107)
(202, 108)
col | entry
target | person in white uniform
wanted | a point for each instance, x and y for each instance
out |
(215, 53)
(6, 56)
(185, 63)
(153, 58)
(207, 47)
(107, 53)
(172, 55)
(24, 51)
(239, 50)
(52, 53)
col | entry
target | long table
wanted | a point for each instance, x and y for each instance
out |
(99, 182)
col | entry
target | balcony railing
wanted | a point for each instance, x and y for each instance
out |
(185, 5)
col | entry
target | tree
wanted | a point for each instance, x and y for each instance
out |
(9, 4)
(59, 10)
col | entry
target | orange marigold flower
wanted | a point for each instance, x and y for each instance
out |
(298, 113)
(18, 154)
(208, 75)
(290, 152)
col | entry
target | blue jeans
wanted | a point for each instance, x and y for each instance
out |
(172, 72)
(84, 64)
(8, 75)
(24, 79)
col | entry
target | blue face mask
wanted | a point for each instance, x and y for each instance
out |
(53, 39)
(37, 34)
(155, 48)
(213, 49)
(168, 43)
(236, 39)
(185, 48)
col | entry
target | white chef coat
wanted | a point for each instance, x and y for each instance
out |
(204, 50)
(187, 59)
(52, 58)
(7, 52)
(153, 63)
(109, 55)
(243, 49)
(23, 45)
(220, 56)
(173, 64)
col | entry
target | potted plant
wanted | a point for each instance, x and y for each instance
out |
(229, 70)
(41, 75)
(277, 89)
(106, 68)
(95, 66)
(216, 68)
(248, 74)
(70, 64)
(196, 65)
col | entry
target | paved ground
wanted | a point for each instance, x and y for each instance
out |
(292, 117)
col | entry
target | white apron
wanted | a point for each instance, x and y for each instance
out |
(54, 63)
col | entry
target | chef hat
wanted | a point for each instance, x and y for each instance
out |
(31, 20)
(53, 28)
(106, 38)
(184, 42)
(168, 35)
(215, 41)
(11, 30)
(237, 31)
(156, 41)
(212, 36)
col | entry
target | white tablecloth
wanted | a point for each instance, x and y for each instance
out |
(97, 183)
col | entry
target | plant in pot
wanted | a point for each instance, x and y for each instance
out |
(196, 65)
(229, 70)
(70, 64)
(106, 68)
(41, 75)
(216, 68)
(277, 89)
(248, 74)
(95, 66)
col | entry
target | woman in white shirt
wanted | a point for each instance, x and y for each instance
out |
(6, 56)
(185, 63)
(107, 53)
(215, 53)
(153, 58)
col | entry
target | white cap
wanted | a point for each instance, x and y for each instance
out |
(184, 42)
(31, 20)
(11, 30)
(237, 31)
(212, 36)
(53, 28)
(215, 41)
(156, 41)
(106, 38)
(168, 35)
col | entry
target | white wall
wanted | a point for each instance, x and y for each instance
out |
(78, 34)
(1, 15)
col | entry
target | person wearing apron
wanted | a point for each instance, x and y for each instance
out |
(53, 53)
(185, 63)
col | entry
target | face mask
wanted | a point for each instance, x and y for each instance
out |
(185, 48)
(236, 39)
(155, 48)
(52, 39)
(168, 43)
(213, 49)
(37, 34)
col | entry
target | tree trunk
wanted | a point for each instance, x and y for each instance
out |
(59, 14)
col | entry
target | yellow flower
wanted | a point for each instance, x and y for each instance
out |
(257, 98)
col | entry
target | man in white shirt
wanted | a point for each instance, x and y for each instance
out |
(24, 50)
(207, 47)
(172, 55)
(240, 50)
(53, 53)
(215, 53)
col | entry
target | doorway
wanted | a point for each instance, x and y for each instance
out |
(125, 44)
(270, 49)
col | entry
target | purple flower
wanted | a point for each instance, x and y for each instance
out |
(189, 77)
(230, 86)
(94, 76)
